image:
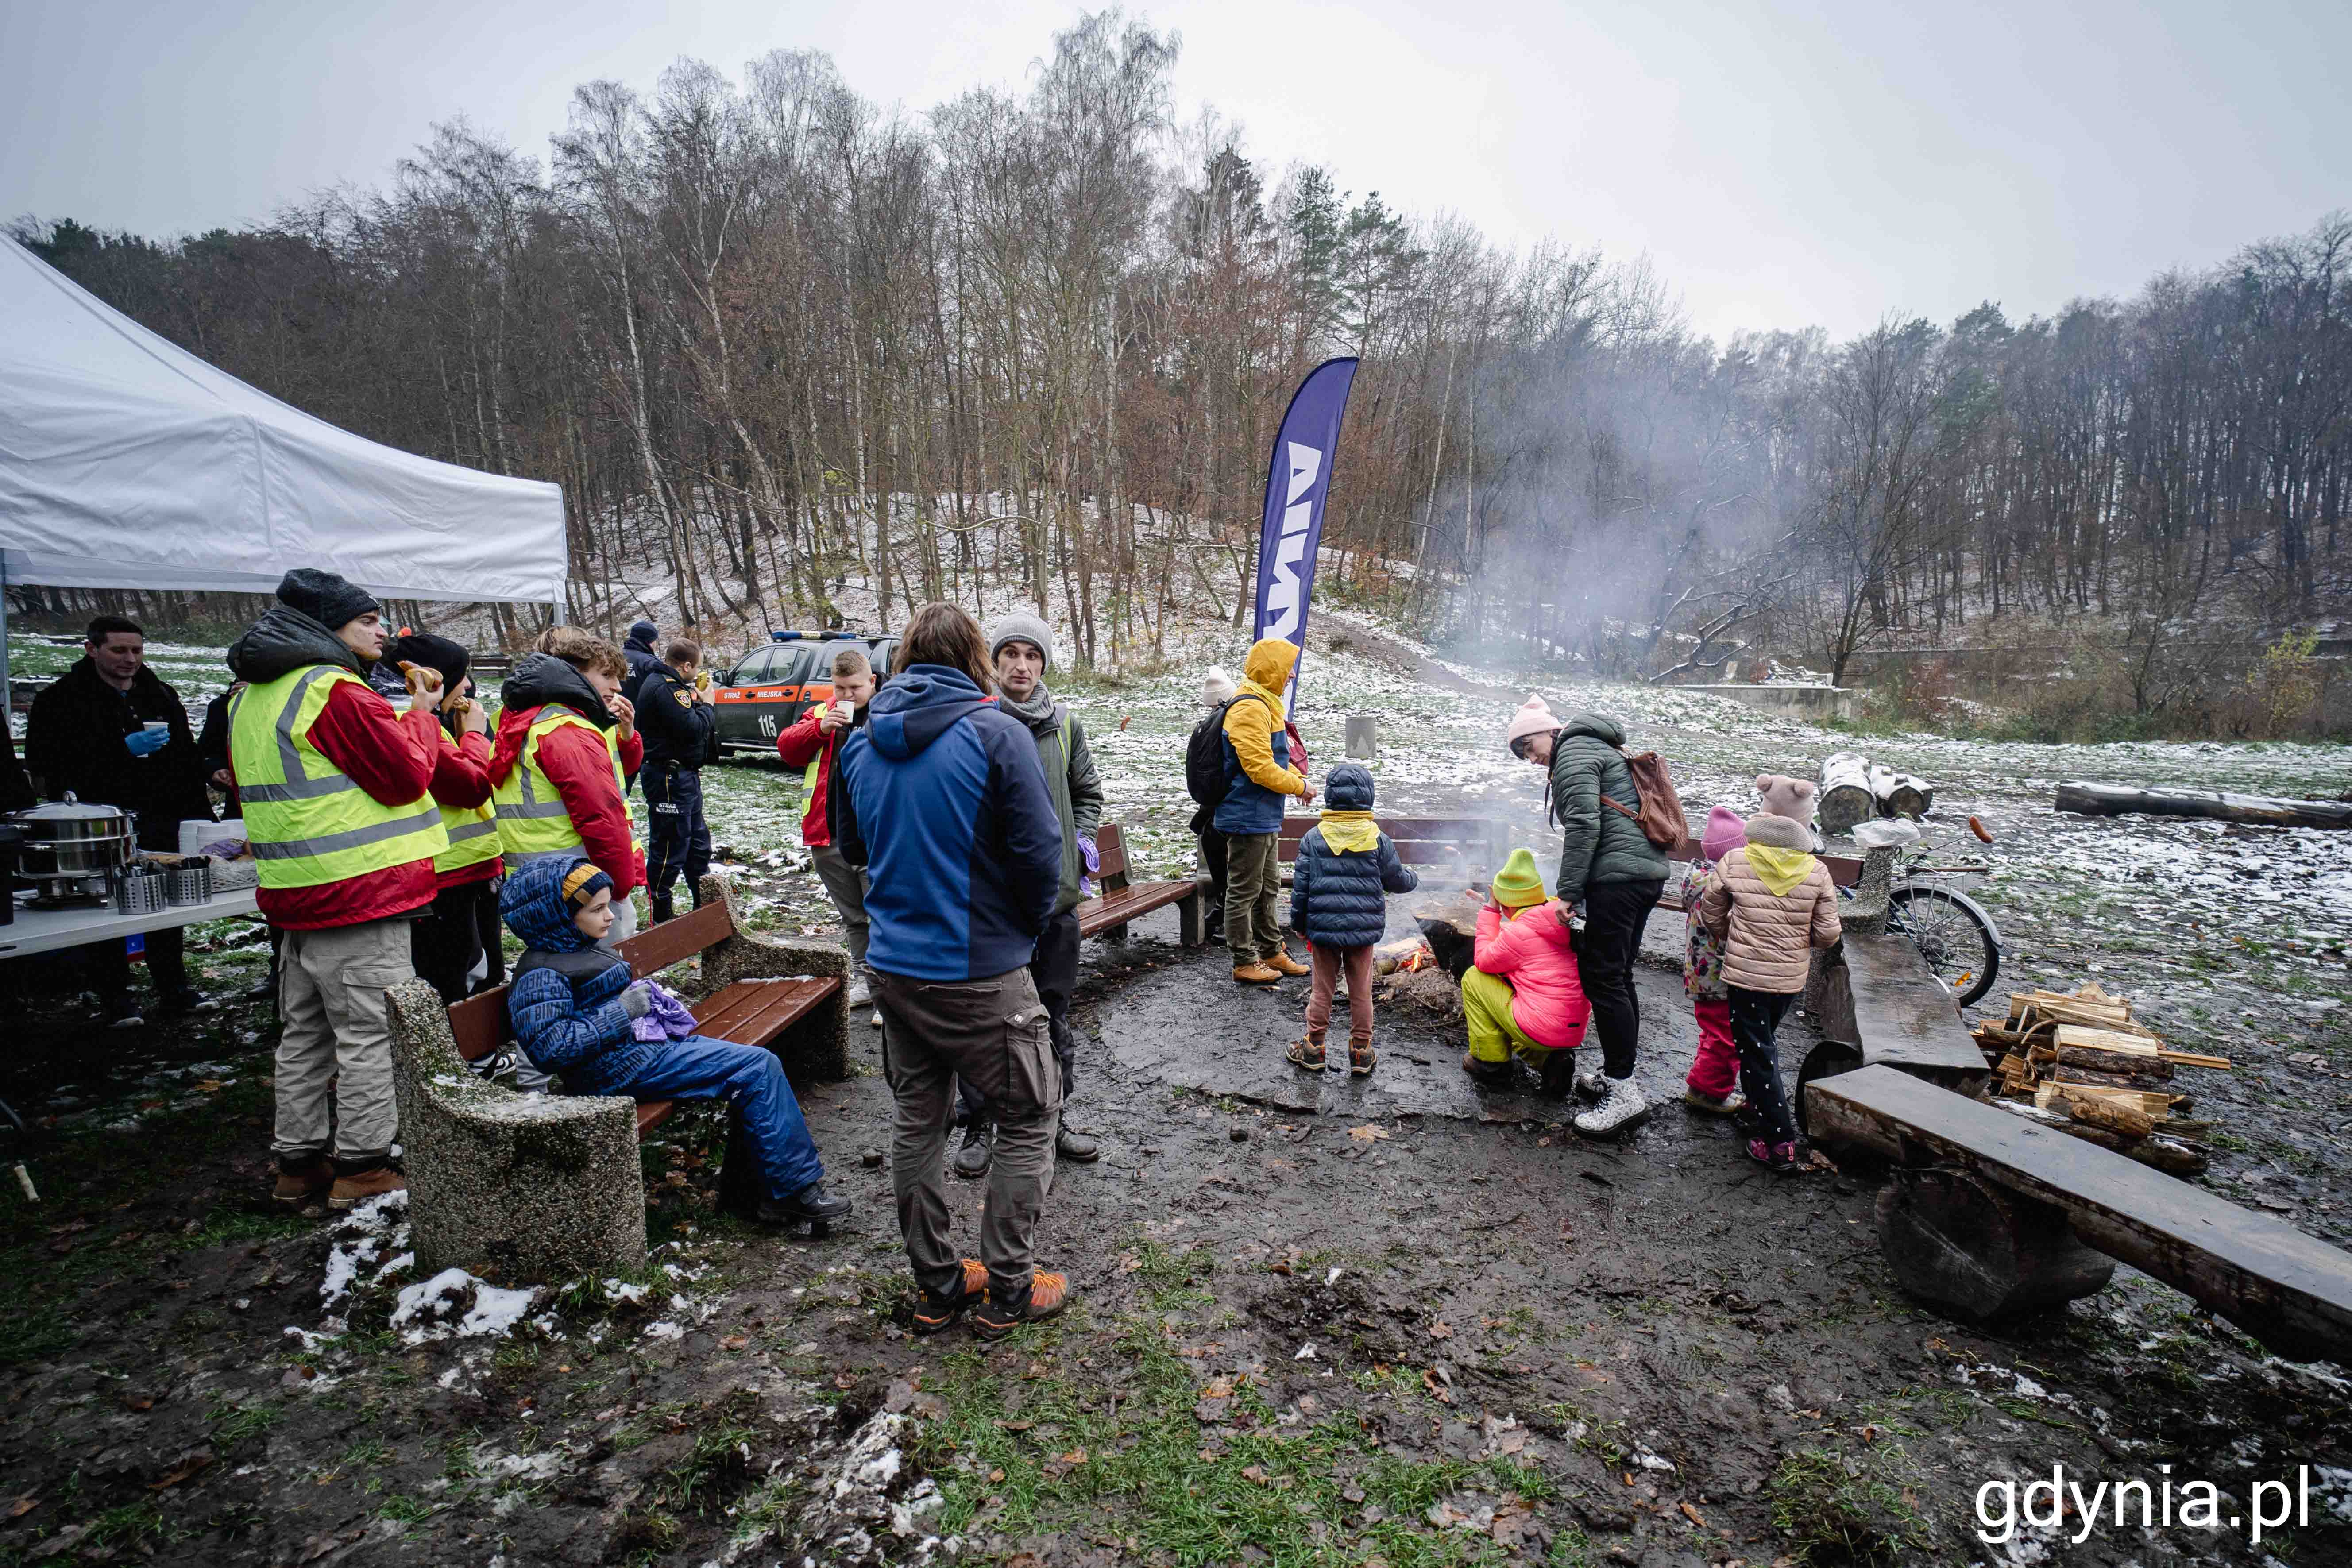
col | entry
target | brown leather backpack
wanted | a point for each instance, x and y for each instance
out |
(1661, 812)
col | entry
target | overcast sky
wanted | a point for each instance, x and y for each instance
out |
(1782, 164)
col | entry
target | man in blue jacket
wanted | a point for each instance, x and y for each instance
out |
(944, 802)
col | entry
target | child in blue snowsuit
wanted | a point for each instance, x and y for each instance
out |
(574, 1007)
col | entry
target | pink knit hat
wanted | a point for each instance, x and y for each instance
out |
(1532, 719)
(1725, 831)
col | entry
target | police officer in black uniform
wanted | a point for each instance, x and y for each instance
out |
(680, 726)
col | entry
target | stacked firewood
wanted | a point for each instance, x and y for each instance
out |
(2077, 1061)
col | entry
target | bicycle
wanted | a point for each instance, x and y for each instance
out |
(1955, 935)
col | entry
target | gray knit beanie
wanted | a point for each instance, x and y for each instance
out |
(1021, 626)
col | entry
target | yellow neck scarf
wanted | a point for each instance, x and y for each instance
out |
(1350, 832)
(1779, 869)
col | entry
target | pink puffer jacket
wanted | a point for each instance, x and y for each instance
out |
(1531, 952)
(1768, 937)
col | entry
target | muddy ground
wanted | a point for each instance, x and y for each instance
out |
(1385, 1321)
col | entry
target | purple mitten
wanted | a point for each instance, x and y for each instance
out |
(1093, 860)
(670, 1015)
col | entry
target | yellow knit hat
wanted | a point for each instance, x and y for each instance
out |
(1518, 884)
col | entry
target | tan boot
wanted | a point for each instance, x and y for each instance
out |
(1256, 975)
(308, 1180)
(348, 1191)
(1281, 961)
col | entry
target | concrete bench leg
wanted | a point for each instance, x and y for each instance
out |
(1187, 921)
(1980, 1251)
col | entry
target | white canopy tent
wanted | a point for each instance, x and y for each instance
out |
(127, 462)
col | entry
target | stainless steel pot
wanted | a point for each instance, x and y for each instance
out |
(69, 838)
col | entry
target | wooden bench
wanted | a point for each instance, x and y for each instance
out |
(1121, 901)
(1469, 843)
(547, 1186)
(1984, 1203)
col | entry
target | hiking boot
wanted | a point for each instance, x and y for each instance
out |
(933, 1312)
(1493, 1075)
(1622, 1108)
(1256, 975)
(1308, 1054)
(186, 1000)
(1048, 1294)
(1074, 1146)
(1362, 1058)
(304, 1180)
(662, 908)
(1730, 1104)
(1282, 963)
(812, 1203)
(350, 1191)
(973, 1160)
(1781, 1159)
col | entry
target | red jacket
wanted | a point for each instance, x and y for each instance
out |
(394, 757)
(802, 744)
(461, 779)
(576, 762)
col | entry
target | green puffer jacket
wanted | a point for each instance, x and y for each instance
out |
(1597, 844)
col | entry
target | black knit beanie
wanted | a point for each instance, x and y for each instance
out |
(437, 653)
(325, 597)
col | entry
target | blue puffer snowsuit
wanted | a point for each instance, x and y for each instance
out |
(565, 999)
(1340, 899)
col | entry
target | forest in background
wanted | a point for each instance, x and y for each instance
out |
(772, 337)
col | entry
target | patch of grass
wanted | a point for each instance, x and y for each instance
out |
(135, 1525)
(1133, 1460)
(1834, 1518)
(237, 1424)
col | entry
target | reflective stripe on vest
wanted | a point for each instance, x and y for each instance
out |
(308, 821)
(473, 832)
(531, 816)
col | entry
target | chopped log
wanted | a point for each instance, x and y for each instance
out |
(2191, 1060)
(1899, 794)
(1846, 798)
(2214, 805)
(1980, 1250)
(2102, 1079)
(2128, 1042)
(2147, 1102)
(2123, 1064)
(2114, 1118)
(2067, 1010)
(2159, 1151)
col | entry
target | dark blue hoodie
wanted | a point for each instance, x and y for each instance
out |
(947, 808)
(565, 997)
(1340, 899)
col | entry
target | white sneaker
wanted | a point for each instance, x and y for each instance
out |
(860, 994)
(1622, 1108)
(878, 1017)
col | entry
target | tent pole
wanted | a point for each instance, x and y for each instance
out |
(7, 692)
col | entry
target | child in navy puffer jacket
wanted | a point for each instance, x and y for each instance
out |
(573, 1003)
(1339, 902)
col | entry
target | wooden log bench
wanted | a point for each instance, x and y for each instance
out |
(549, 1186)
(1987, 1215)
(1107, 914)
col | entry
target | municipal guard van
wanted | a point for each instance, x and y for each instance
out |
(770, 686)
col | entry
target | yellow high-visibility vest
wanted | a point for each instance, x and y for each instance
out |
(473, 831)
(308, 821)
(532, 819)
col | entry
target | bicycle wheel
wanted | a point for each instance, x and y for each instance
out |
(1953, 934)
